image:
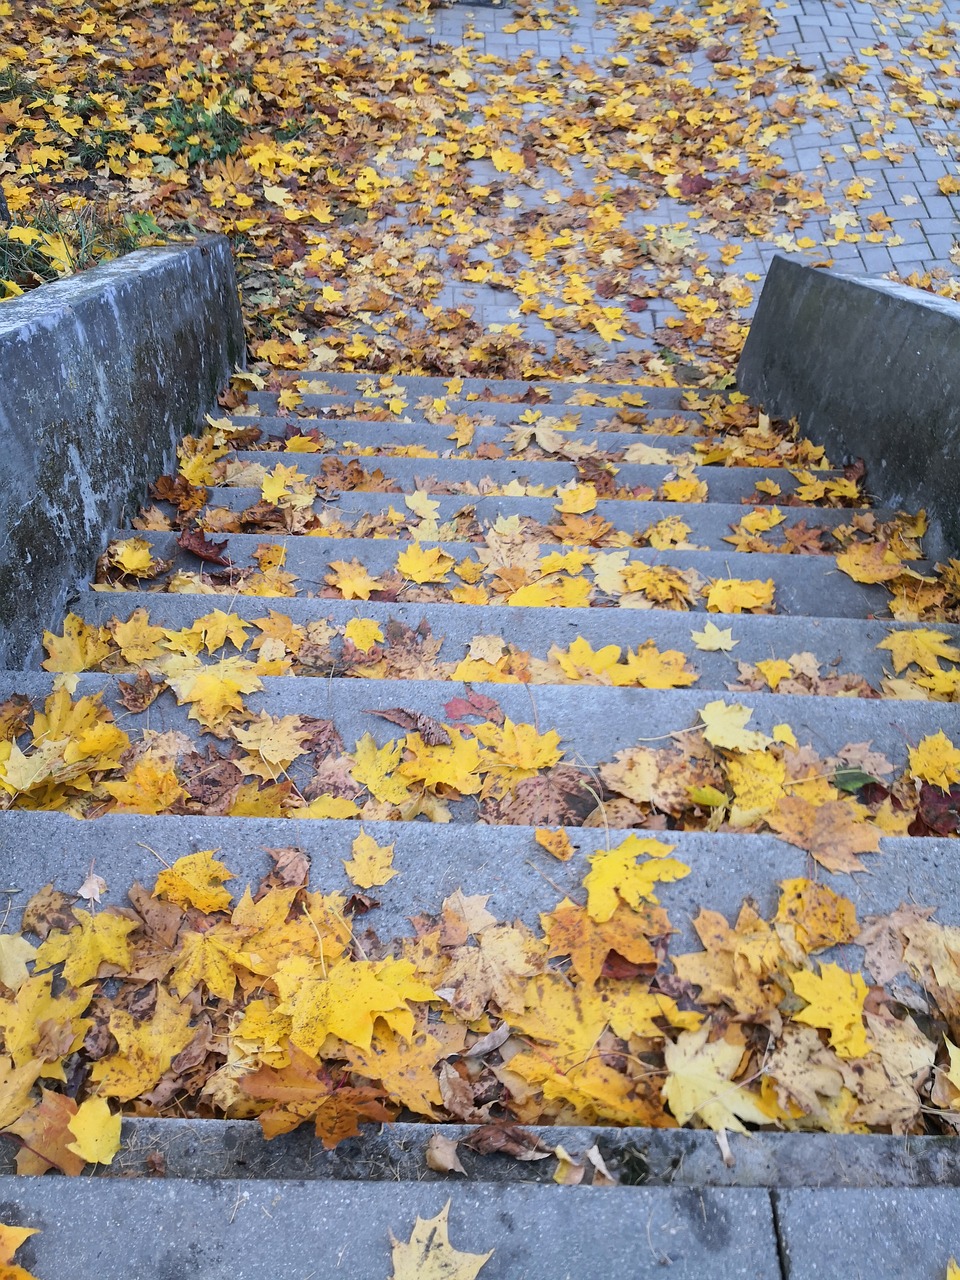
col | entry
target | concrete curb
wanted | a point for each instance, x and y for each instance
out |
(101, 375)
(637, 1157)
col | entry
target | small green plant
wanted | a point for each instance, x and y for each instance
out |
(59, 242)
(189, 129)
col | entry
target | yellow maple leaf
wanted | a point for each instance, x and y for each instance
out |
(97, 940)
(651, 669)
(921, 647)
(507, 161)
(133, 556)
(374, 768)
(146, 1047)
(424, 564)
(34, 1008)
(615, 875)
(835, 1003)
(196, 880)
(429, 1255)
(371, 864)
(329, 807)
(363, 633)
(212, 632)
(714, 639)
(700, 1081)
(213, 692)
(820, 917)
(11, 1238)
(725, 727)
(421, 504)
(96, 1131)
(736, 595)
(870, 562)
(149, 787)
(774, 670)
(519, 747)
(557, 843)
(570, 931)
(576, 499)
(456, 766)
(936, 760)
(275, 485)
(207, 957)
(80, 648)
(565, 593)
(352, 580)
(347, 1001)
(274, 742)
(136, 639)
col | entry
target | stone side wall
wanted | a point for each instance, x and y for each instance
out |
(100, 376)
(871, 369)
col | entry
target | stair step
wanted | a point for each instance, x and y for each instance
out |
(840, 646)
(593, 723)
(710, 523)
(724, 484)
(804, 585)
(434, 860)
(514, 389)
(592, 422)
(224, 1229)
(382, 436)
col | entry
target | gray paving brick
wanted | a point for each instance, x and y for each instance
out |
(887, 1235)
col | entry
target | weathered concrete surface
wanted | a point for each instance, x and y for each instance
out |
(396, 1152)
(870, 369)
(100, 376)
(886, 1235)
(151, 1229)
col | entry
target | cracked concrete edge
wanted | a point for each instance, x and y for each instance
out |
(101, 375)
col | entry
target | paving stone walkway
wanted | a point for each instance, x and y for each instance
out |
(858, 105)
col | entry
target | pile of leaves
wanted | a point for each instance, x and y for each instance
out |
(720, 775)
(278, 1005)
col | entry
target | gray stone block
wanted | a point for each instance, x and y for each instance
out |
(871, 369)
(886, 1235)
(100, 376)
(224, 1230)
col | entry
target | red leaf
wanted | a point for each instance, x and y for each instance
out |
(195, 541)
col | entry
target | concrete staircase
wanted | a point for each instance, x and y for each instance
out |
(793, 1205)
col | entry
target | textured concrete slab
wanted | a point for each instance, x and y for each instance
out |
(884, 1234)
(95, 1229)
(346, 433)
(100, 376)
(870, 369)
